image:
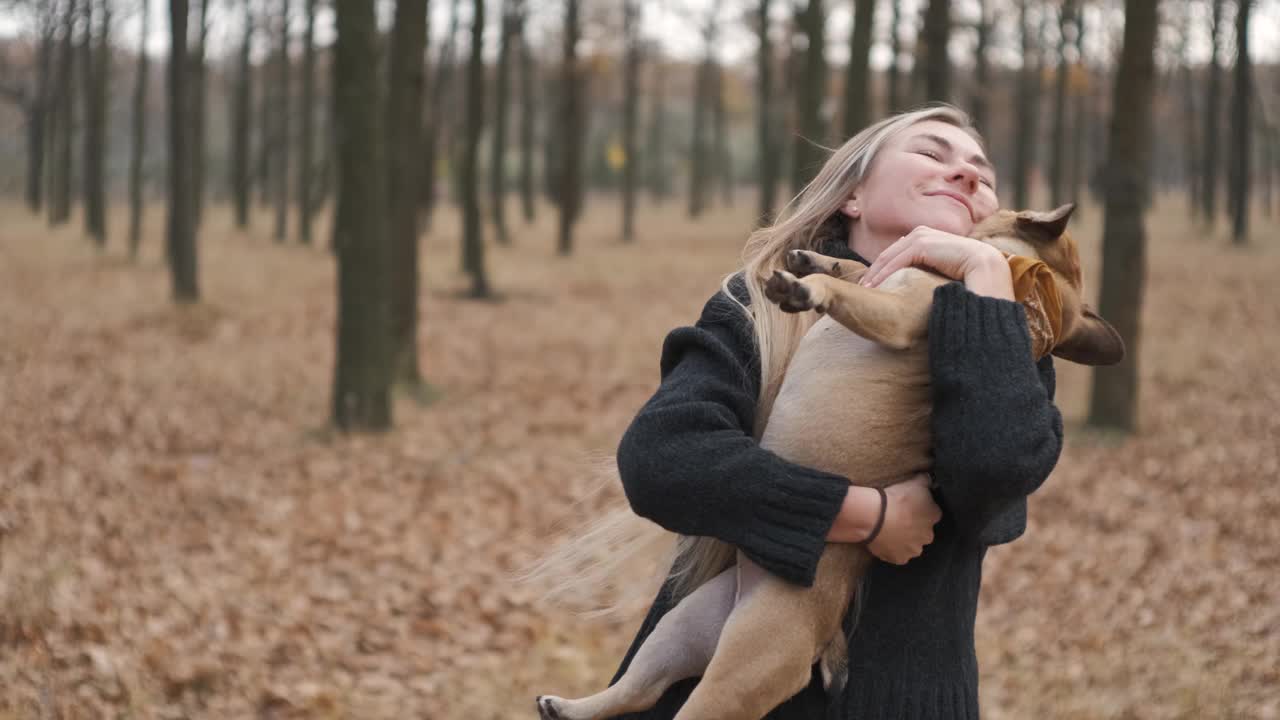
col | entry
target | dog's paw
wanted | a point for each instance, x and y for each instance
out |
(547, 707)
(803, 262)
(789, 293)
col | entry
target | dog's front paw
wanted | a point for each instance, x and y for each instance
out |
(790, 294)
(804, 262)
(547, 707)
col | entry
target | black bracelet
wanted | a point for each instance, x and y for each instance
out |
(884, 506)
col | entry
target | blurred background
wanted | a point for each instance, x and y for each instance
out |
(314, 316)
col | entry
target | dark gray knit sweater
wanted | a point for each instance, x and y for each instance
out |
(688, 462)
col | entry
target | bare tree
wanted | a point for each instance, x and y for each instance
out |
(1213, 94)
(571, 128)
(699, 155)
(472, 229)
(721, 154)
(404, 133)
(365, 341)
(765, 140)
(241, 111)
(197, 95)
(937, 34)
(1113, 403)
(436, 122)
(807, 154)
(894, 81)
(137, 151)
(306, 142)
(63, 121)
(511, 10)
(657, 177)
(1028, 103)
(630, 108)
(95, 57)
(1068, 20)
(981, 68)
(528, 116)
(1241, 127)
(180, 233)
(281, 114)
(33, 100)
(857, 87)
(1187, 90)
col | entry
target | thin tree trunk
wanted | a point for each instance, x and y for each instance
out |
(281, 113)
(404, 133)
(857, 87)
(501, 101)
(1189, 115)
(1081, 119)
(473, 241)
(808, 156)
(199, 141)
(981, 70)
(365, 339)
(937, 34)
(659, 180)
(38, 115)
(180, 233)
(572, 130)
(242, 109)
(437, 118)
(95, 54)
(764, 114)
(528, 115)
(1241, 127)
(698, 170)
(1027, 103)
(1114, 398)
(1058, 145)
(266, 125)
(1209, 188)
(631, 103)
(894, 92)
(137, 151)
(60, 182)
(306, 170)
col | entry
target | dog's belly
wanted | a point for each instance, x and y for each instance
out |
(852, 407)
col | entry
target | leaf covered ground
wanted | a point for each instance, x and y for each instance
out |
(181, 537)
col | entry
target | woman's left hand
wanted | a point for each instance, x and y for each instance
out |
(981, 267)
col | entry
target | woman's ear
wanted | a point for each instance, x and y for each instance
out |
(850, 208)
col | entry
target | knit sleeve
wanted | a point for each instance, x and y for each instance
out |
(688, 460)
(996, 432)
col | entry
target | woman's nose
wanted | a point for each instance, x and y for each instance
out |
(965, 176)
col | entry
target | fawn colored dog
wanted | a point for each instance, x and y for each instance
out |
(875, 378)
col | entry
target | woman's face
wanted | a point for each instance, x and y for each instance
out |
(933, 174)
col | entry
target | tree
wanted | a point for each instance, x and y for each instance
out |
(436, 120)
(1241, 128)
(807, 154)
(241, 111)
(894, 80)
(511, 10)
(572, 130)
(198, 94)
(33, 101)
(528, 115)
(1189, 114)
(137, 150)
(306, 142)
(857, 87)
(937, 34)
(365, 342)
(1067, 18)
(1213, 93)
(180, 231)
(1080, 117)
(768, 148)
(63, 122)
(656, 173)
(1028, 102)
(281, 114)
(473, 242)
(721, 155)
(630, 108)
(1113, 402)
(404, 133)
(981, 69)
(699, 156)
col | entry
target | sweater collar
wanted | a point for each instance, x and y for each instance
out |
(841, 249)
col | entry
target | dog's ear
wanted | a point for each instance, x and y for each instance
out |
(1092, 341)
(1048, 225)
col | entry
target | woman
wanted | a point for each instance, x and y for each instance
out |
(905, 191)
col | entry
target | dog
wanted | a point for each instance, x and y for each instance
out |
(717, 630)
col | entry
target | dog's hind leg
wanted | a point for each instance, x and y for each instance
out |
(679, 647)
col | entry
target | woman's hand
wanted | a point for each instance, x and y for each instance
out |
(981, 267)
(910, 515)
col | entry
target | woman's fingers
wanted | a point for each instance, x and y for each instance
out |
(891, 259)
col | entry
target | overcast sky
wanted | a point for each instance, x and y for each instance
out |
(676, 25)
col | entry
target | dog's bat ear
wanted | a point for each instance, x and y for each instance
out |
(1049, 225)
(1092, 341)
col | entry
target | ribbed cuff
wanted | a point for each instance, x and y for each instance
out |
(789, 529)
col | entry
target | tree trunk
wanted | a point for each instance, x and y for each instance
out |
(437, 118)
(1209, 188)
(630, 107)
(1027, 111)
(498, 152)
(764, 114)
(572, 130)
(64, 124)
(894, 90)
(95, 54)
(857, 86)
(306, 169)
(1058, 145)
(1114, 399)
(242, 109)
(1241, 128)
(1080, 120)
(659, 179)
(199, 141)
(698, 171)
(528, 115)
(281, 113)
(981, 70)
(472, 229)
(808, 156)
(137, 151)
(266, 124)
(404, 133)
(1189, 114)
(365, 342)
(38, 115)
(937, 34)
(722, 156)
(180, 233)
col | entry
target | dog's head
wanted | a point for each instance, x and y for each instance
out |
(1085, 337)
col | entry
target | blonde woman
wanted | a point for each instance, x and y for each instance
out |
(905, 191)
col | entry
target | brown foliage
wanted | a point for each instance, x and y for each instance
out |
(176, 537)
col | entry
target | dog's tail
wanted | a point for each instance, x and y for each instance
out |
(599, 567)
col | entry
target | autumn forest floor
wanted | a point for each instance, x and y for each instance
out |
(179, 536)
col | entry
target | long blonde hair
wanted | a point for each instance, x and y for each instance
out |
(803, 223)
